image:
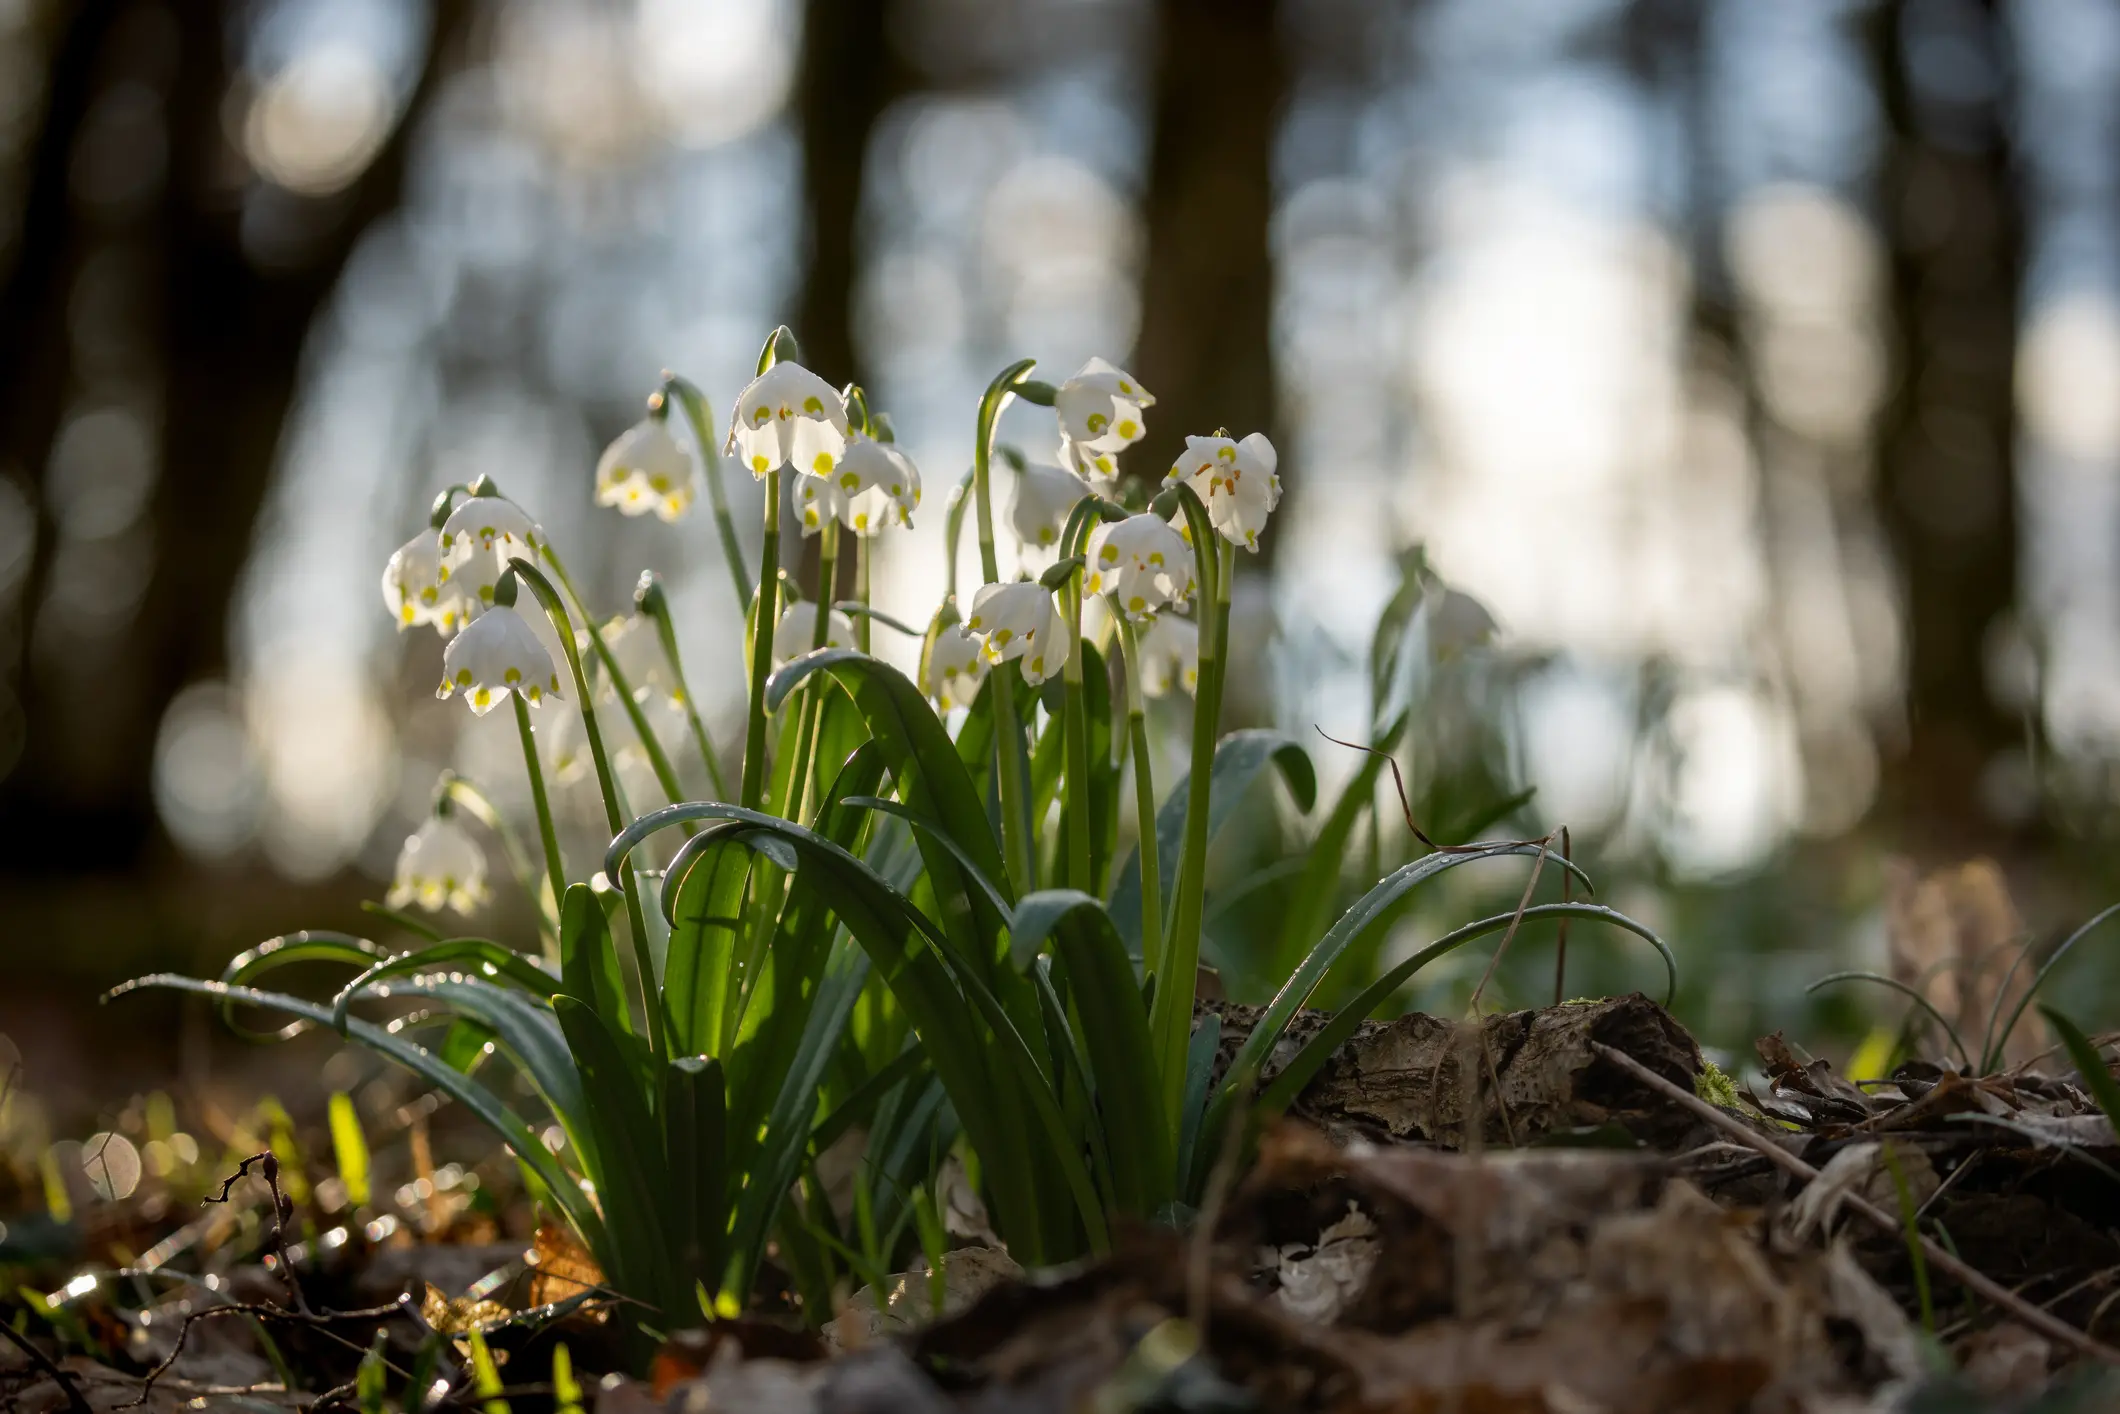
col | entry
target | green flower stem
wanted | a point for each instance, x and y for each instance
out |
(813, 697)
(614, 813)
(861, 591)
(666, 631)
(1144, 801)
(701, 417)
(658, 759)
(765, 613)
(1076, 706)
(466, 795)
(1015, 762)
(1170, 1025)
(555, 866)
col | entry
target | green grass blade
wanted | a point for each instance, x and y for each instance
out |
(1904, 990)
(349, 1148)
(2097, 1076)
(1996, 1039)
(632, 1177)
(1310, 909)
(588, 965)
(502, 963)
(695, 1127)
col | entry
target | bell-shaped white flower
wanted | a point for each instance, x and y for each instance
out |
(563, 744)
(955, 667)
(1100, 407)
(1457, 622)
(1141, 562)
(440, 866)
(636, 643)
(1044, 497)
(646, 469)
(1170, 654)
(874, 484)
(497, 653)
(796, 633)
(1099, 469)
(491, 525)
(413, 588)
(789, 416)
(1236, 482)
(1020, 621)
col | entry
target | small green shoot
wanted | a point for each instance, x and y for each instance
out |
(1912, 1231)
(2097, 1078)
(485, 1377)
(350, 1148)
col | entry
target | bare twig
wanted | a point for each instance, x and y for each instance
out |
(263, 1312)
(75, 1400)
(1560, 942)
(1995, 1294)
(269, 1166)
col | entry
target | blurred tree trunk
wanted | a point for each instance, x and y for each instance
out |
(1946, 480)
(1206, 347)
(221, 337)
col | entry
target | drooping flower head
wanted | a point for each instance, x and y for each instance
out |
(1457, 622)
(1170, 654)
(1100, 470)
(1142, 563)
(1020, 621)
(955, 667)
(789, 416)
(637, 645)
(796, 633)
(413, 587)
(1044, 496)
(1236, 482)
(439, 866)
(874, 484)
(646, 469)
(497, 653)
(481, 535)
(1100, 408)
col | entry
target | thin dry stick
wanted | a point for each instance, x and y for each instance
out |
(42, 1362)
(2016, 1307)
(269, 1165)
(1560, 943)
(1399, 780)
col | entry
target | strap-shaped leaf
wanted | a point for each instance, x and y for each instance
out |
(632, 1174)
(702, 896)
(566, 1194)
(502, 963)
(695, 1128)
(588, 959)
(1239, 758)
(309, 945)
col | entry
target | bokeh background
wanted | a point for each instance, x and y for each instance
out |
(1757, 364)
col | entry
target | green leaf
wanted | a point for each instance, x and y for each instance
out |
(1114, 1031)
(481, 1102)
(310, 945)
(1311, 1058)
(2097, 1076)
(504, 963)
(702, 896)
(349, 1148)
(1239, 758)
(1310, 909)
(631, 1175)
(695, 1128)
(1199, 1070)
(464, 1044)
(588, 959)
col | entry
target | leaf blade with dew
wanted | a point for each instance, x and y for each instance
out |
(476, 1098)
(1306, 1063)
(1910, 993)
(588, 958)
(1239, 758)
(290, 949)
(349, 1147)
(505, 964)
(2097, 1078)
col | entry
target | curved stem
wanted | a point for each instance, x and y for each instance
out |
(614, 812)
(469, 797)
(1148, 850)
(658, 759)
(765, 613)
(861, 591)
(701, 417)
(554, 865)
(1008, 728)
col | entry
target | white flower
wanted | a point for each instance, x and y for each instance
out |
(563, 743)
(493, 525)
(789, 416)
(1044, 497)
(955, 667)
(1100, 407)
(646, 469)
(1099, 469)
(1457, 622)
(875, 483)
(495, 654)
(1170, 652)
(413, 590)
(1021, 621)
(797, 631)
(637, 645)
(1141, 563)
(1235, 480)
(439, 866)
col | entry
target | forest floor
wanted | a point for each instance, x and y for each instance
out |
(1556, 1211)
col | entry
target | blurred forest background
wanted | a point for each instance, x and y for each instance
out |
(1757, 364)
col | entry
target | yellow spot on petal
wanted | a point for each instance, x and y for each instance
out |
(823, 465)
(481, 697)
(849, 482)
(760, 465)
(463, 677)
(813, 407)
(512, 676)
(1129, 429)
(1108, 554)
(1096, 422)
(1137, 603)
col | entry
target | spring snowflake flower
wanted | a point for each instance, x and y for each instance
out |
(440, 866)
(1141, 563)
(874, 484)
(1044, 496)
(1099, 469)
(646, 469)
(1236, 482)
(1170, 653)
(1100, 408)
(956, 665)
(1021, 621)
(563, 744)
(797, 631)
(637, 645)
(492, 525)
(414, 590)
(789, 416)
(1458, 622)
(497, 653)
